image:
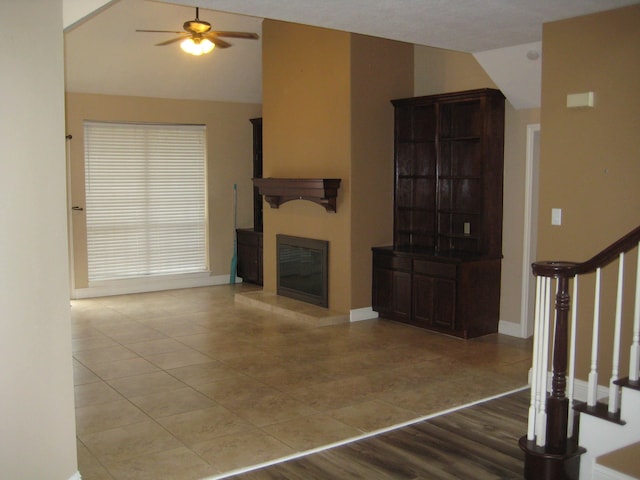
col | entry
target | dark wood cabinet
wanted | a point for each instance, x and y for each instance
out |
(447, 214)
(249, 241)
(257, 172)
(392, 286)
(250, 255)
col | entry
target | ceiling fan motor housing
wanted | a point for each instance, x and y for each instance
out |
(197, 26)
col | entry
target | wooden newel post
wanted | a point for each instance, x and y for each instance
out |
(558, 403)
(559, 457)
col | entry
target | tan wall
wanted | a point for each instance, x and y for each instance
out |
(589, 156)
(327, 114)
(229, 150)
(438, 71)
(306, 134)
(380, 71)
(37, 435)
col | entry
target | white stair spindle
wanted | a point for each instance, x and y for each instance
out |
(634, 360)
(572, 355)
(592, 386)
(537, 338)
(614, 390)
(541, 417)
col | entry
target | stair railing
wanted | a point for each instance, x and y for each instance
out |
(551, 449)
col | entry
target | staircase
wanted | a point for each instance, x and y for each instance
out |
(606, 438)
(595, 438)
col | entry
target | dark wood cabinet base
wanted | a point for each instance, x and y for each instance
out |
(454, 295)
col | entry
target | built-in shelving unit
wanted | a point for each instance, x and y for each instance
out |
(249, 240)
(443, 270)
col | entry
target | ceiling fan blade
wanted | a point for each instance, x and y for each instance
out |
(248, 35)
(218, 42)
(164, 31)
(168, 42)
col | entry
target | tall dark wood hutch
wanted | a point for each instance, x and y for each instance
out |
(249, 240)
(443, 270)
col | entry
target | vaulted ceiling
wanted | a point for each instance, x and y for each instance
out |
(104, 54)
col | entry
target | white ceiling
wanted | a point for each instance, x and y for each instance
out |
(104, 54)
(463, 25)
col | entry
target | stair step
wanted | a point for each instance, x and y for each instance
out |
(625, 382)
(600, 410)
(623, 460)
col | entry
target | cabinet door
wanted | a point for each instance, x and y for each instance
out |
(248, 263)
(392, 293)
(444, 304)
(423, 297)
(402, 296)
(382, 290)
(434, 301)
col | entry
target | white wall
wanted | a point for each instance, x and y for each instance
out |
(37, 426)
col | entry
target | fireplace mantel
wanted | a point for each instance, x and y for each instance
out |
(323, 191)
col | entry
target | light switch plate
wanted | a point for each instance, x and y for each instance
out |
(556, 216)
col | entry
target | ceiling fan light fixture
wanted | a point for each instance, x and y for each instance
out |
(197, 46)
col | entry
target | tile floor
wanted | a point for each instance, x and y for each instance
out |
(188, 384)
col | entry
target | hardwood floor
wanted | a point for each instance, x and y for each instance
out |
(475, 443)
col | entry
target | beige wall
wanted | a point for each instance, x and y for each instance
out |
(229, 150)
(380, 71)
(306, 134)
(321, 112)
(438, 71)
(37, 432)
(590, 164)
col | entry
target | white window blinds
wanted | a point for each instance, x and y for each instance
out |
(145, 199)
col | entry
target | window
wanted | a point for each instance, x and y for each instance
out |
(145, 187)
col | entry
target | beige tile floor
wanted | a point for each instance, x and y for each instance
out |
(188, 384)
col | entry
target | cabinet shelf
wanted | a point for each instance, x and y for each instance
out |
(405, 176)
(446, 211)
(415, 209)
(414, 141)
(459, 177)
(461, 236)
(472, 138)
(417, 231)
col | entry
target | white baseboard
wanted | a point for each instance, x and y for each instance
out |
(510, 328)
(151, 284)
(360, 314)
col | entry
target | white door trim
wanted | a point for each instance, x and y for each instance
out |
(530, 226)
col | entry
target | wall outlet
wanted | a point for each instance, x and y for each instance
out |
(556, 216)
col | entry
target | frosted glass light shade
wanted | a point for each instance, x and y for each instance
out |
(197, 46)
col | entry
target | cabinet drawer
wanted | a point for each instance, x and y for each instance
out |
(436, 269)
(391, 262)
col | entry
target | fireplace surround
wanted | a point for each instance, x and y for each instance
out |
(302, 269)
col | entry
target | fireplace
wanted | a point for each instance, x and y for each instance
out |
(302, 269)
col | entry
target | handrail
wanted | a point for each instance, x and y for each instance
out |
(551, 450)
(606, 256)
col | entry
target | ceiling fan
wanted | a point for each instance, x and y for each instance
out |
(198, 38)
